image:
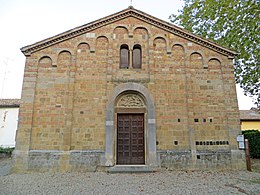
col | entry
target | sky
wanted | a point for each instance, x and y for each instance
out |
(24, 22)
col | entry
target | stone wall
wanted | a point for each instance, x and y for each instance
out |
(61, 161)
(82, 161)
(204, 160)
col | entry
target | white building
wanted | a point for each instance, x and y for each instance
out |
(9, 109)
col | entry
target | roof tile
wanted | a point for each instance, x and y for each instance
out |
(249, 115)
(7, 103)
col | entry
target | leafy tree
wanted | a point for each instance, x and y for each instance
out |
(231, 23)
(253, 137)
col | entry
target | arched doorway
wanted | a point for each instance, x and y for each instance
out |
(149, 123)
(130, 111)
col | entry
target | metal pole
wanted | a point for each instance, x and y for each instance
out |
(248, 162)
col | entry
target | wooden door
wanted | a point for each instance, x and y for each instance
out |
(130, 139)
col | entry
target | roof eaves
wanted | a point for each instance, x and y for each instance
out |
(29, 49)
(186, 34)
(248, 120)
(130, 11)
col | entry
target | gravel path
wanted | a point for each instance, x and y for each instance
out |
(164, 182)
(5, 167)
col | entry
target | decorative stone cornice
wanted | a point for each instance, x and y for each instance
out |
(130, 11)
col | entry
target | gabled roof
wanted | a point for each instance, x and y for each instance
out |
(130, 11)
(9, 103)
(249, 115)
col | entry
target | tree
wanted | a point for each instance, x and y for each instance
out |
(231, 23)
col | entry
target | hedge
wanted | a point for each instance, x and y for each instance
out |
(253, 137)
(6, 150)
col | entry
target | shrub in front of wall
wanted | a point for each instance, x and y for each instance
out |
(253, 137)
(6, 150)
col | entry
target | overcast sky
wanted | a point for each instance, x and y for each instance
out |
(24, 22)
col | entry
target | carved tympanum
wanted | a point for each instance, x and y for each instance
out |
(130, 101)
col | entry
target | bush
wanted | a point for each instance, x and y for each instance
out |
(253, 137)
(6, 150)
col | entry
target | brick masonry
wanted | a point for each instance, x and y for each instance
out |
(67, 113)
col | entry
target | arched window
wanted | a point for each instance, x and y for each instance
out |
(124, 56)
(137, 56)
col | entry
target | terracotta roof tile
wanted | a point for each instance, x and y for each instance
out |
(249, 115)
(9, 103)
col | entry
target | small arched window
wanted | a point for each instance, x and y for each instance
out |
(124, 56)
(137, 56)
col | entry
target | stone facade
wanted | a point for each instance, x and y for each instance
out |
(74, 89)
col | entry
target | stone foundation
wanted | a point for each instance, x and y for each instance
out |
(203, 160)
(90, 160)
(57, 161)
(175, 159)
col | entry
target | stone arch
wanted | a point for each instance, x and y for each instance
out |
(214, 68)
(101, 52)
(141, 37)
(45, 65)
(83, 53)
(120, 32)
(196, 60)
(159, 52)
(45, 62)
(141, 33)
(102, 45)
(124, 54)
(176, 43)
(214, 64)
(64, 58)
(83, 47)
(102, 38)
(178, 55)
(179, 47)
(136, 45)
(160, 43)
(137, 55)
(130, 99)
(151, 123)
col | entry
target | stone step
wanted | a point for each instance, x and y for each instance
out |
(130, 169)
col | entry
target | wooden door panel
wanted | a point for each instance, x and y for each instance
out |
(130, 139)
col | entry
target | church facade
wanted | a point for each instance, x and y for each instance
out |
(128, 89)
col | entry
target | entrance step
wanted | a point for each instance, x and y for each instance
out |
(130, 169)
